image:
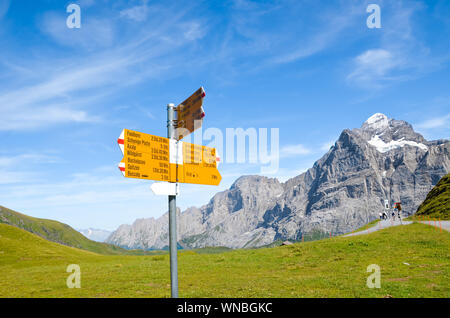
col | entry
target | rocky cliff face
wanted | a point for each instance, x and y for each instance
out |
(345, 189)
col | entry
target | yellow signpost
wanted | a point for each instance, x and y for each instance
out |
(171, 160)
(190, 114)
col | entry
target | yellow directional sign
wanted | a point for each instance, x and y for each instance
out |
(200, 165)
(190, 114)
(144, 156)
(162, 159)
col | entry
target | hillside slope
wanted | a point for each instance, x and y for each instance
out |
(437, 202)
(413, 260)
(57, 232)
(18, 246)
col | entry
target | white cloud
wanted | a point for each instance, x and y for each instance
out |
(49, 101)
(23, 168)
(374, 66)
(281, 32)
(437, 122)
(137, 13)
(27, 158)
(193, 30)
(86, 3)
(28, 118)
(63, 90)
(92, 187)
(4, 6)
(318, 41)
(15, 177)
(293, 151)
(94, 32)
(398, 54)
(311, 41)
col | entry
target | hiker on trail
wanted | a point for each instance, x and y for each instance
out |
(399, 210)
(386, 210)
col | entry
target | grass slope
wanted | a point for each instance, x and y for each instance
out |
(437, 202)
(33, 267)
(58, 232)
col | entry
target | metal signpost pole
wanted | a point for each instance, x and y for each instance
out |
(172, 214)
(166, 163)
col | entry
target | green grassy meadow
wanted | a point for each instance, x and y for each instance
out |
(437, 202)
(31, 266)
(61, 233)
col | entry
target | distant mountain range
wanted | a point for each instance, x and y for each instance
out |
(385, 159)
(95, 234)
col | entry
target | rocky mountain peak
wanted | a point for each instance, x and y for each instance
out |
(386, 134)
(377, 122)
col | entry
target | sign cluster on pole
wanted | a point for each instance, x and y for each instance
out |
(162, 159)
(171, 161)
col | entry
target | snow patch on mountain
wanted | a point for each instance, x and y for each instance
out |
(95, 234)
(383, 147)
(377, 121)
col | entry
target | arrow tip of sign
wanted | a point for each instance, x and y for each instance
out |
(122, 168)
(217, 159)
(121, 141)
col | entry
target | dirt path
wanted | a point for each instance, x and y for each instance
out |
(389, 223)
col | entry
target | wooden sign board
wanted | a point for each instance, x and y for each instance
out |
(190, 114)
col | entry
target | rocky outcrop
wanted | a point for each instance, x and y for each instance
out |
(385, 159)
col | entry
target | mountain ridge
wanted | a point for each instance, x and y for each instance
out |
(384, 159)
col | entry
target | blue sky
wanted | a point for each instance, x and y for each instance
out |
(309, 68)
